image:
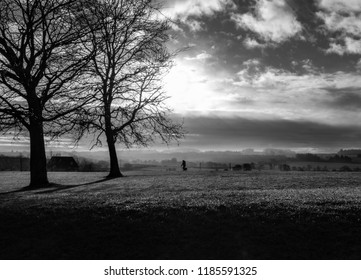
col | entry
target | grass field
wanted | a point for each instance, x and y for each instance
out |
(182, 215)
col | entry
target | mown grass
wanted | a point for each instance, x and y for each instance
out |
(182, 215)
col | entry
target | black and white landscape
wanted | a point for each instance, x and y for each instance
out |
(183, 129)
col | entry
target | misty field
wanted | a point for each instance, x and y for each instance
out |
(182, 215)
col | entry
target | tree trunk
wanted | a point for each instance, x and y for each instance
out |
(38, 172)
(114, 165)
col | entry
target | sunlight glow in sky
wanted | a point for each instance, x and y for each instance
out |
(269, 61)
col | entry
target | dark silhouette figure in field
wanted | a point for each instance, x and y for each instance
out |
(184, 165)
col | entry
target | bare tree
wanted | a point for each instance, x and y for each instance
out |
(130, 59)
(41, 60)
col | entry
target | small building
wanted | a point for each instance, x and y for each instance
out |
(60, 163)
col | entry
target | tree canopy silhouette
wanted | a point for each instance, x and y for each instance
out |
(41, 60)
(130, 58)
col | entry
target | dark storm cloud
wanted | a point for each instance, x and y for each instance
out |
(344, 99)
(242, 132)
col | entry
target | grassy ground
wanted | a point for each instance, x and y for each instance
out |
(190, 215)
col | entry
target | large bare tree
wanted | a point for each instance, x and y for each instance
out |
(41, 60)
(130, 59)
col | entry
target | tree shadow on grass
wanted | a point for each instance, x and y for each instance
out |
(53, 187)
(60, 187)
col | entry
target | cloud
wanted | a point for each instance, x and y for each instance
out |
(349, 46)
(24, 141)
(242, 132)
(308, 66)
(343, 19)
(201, 56)
(14, 141)
(344, 98)
(309, 96)
(194, 25)
(274, 21)
(182, 9)
(189, 12)
(251, 62)
(251, 70)
(342, 6)
(347, 23)
(254, 89)
(358, 65)
(337, 49)
(253, 44)
(269, 77)
(176, 27)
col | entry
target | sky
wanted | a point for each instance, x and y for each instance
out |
(264, 74)
(267, 73)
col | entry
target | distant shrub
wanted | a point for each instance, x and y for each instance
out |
(247, 167)
(318, 168)
(345, 168)
(285, 167)
(308, 157)
(341, 158)
(237, 167)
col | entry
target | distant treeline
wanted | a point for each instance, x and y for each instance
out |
(325, 168)
(20, 163)
(315, 158)
(14, 163)
(312, 162)
(288, 167)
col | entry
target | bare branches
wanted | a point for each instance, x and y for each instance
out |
(129, 62)
(42, 61)
(85, 66)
